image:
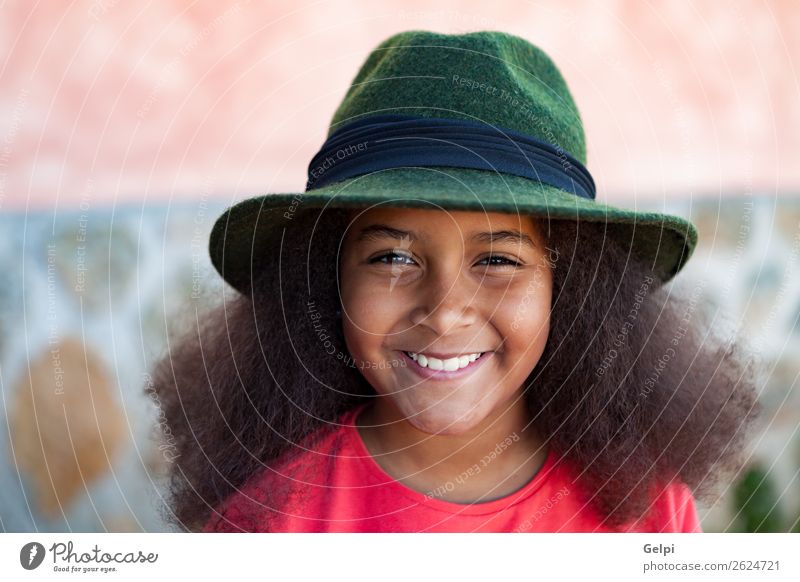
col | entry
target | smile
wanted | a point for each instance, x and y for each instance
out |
(445, 368)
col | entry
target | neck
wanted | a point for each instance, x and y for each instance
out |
(501, 454)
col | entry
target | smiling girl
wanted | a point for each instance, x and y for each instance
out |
(446, 332)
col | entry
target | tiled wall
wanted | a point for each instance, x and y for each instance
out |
(84, 302)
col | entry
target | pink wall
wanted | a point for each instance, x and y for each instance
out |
(111, 101)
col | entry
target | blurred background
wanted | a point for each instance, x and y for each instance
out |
(126, 128)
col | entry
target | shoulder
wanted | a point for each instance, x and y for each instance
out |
(670, 507)
(672, 510)
(278, 483)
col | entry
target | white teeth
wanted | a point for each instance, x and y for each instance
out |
(448, 365)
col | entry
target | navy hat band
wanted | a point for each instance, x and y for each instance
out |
(379, 142)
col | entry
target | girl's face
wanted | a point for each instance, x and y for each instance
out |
(424, 291)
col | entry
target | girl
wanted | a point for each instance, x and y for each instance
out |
(446, 332)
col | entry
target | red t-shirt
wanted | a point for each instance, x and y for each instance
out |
(354, 494)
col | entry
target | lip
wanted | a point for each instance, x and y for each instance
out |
(429, 374)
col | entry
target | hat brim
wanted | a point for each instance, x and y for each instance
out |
(247, 229)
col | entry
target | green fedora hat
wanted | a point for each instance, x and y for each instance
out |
(478, 121)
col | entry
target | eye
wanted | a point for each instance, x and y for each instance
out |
(400, 259)
(499, 261)
(388, 259)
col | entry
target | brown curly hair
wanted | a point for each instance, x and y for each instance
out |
(633, 388)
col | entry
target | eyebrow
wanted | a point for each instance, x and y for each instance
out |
(382, 231)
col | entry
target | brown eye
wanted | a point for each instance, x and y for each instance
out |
(499, 261)
(388, 259)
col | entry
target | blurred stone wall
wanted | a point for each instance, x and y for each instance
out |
(84, 302)
(84, 305)
(747, 267)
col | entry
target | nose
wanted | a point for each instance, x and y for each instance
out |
(445, 302)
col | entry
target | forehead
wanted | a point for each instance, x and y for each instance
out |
(424, 220)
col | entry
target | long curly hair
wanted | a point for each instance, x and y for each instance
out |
(634, 389)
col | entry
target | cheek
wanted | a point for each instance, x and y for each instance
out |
(525, 316)
(365, 339)
(369, 315)
(369, 309)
